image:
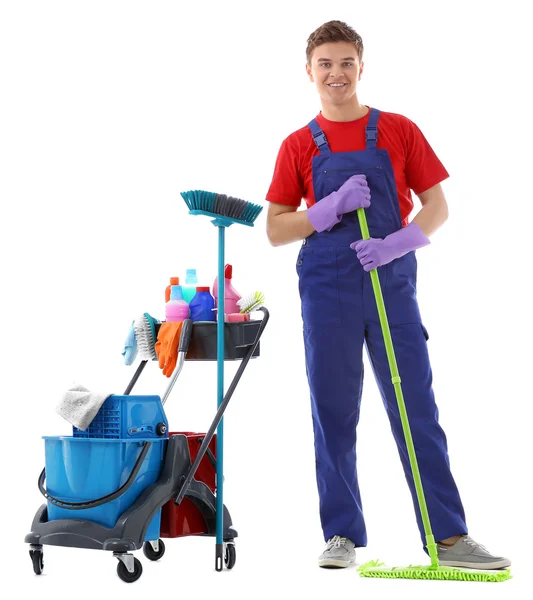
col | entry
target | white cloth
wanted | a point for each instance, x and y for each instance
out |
(79, 405)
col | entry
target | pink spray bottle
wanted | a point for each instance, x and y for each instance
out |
(231, 295)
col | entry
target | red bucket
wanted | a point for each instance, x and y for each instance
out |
(186, 519)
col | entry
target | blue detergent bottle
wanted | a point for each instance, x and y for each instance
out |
(202, 305)
(189, 289)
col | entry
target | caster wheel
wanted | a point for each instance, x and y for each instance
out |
(37, 560)
(230, 556)
(125, 575)
(150, 553)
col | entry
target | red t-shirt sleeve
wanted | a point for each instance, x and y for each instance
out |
(287, 185)
(423, 169)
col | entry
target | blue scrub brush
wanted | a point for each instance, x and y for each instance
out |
(225, 211)
(145, 333)
(145, 338)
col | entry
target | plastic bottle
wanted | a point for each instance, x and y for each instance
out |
(231, 295)
(189, 289)
(176, 309)
(202, 305)
(173, 281)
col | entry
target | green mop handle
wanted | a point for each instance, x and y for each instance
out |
(396, 381)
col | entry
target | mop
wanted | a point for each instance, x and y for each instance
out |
(433, 571)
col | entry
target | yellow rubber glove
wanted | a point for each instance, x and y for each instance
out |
(166, 347)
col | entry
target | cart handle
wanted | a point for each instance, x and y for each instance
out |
(104, 499)
(185, 340)
(209, 454)
(186, 480)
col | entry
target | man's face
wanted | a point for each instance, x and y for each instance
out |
(335, 70)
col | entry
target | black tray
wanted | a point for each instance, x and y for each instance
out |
(237, 338)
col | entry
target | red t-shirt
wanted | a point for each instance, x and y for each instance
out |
(415, 164)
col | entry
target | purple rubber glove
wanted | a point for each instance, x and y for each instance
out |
(353, 194)
(374, 253)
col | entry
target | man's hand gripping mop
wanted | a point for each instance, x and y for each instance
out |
(225, 211)
(433, 571)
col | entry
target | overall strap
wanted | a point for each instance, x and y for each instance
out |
(372, 129)
(319, 137)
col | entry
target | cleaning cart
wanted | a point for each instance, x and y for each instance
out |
(126, 481)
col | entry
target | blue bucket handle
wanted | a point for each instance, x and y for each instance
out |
(104, 499)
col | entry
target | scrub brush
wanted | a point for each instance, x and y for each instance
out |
(146, 336)
(252, 302)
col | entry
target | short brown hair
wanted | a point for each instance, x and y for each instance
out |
(334, 31)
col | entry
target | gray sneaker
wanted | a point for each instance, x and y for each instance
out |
(339, 553)
(468, 553)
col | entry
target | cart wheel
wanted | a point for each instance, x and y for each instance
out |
(230, 555)
(150, 553)
(125, 575)
(37, 560)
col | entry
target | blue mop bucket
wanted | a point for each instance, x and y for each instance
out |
(85, 469)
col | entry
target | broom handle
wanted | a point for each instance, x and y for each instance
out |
(219, 548)
(396, 381)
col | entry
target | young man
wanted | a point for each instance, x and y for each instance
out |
(353, 156)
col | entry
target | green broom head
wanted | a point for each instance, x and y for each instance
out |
(376, 569)
(226, 210)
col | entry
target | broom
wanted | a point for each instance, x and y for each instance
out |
(433, 571)
(225, 210)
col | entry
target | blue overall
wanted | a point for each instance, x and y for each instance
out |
(339, 314)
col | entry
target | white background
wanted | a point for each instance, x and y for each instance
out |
(108, 111)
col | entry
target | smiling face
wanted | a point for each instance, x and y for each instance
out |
(335, 71)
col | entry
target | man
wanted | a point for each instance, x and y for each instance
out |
(352, 156)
